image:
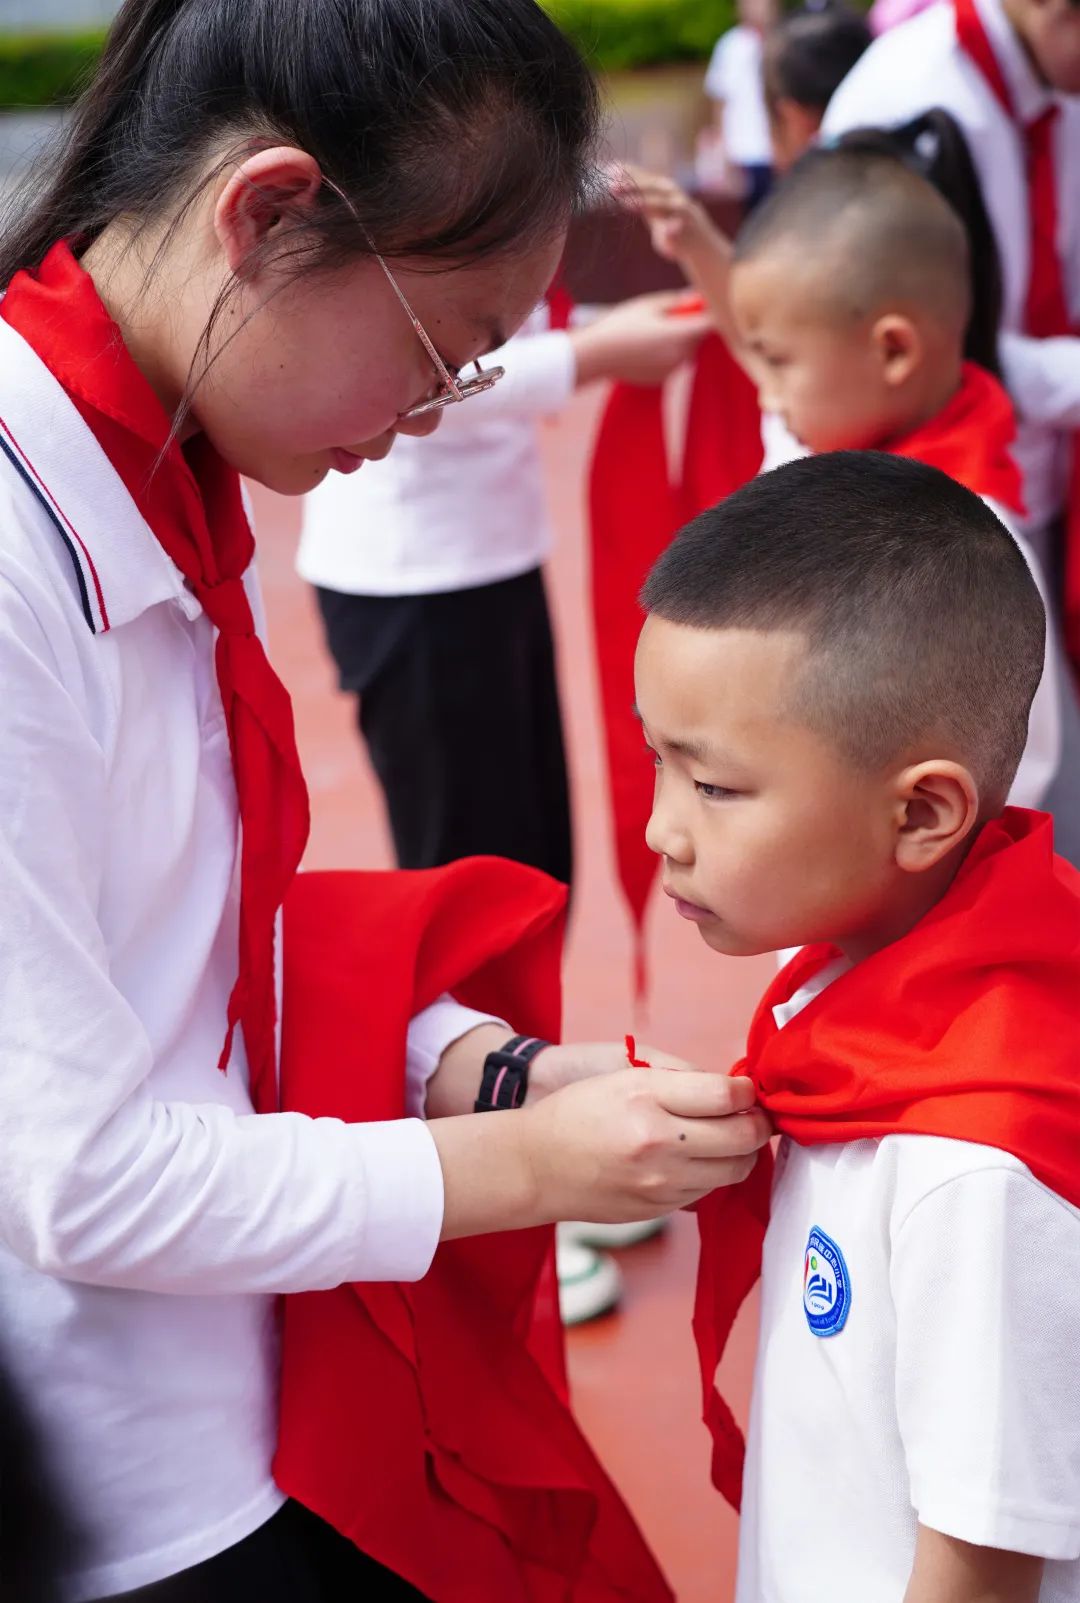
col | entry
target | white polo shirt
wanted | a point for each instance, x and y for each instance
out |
(920, 1320)
(734, 78)
(462, 507)
(920, 65)
(147, 1215)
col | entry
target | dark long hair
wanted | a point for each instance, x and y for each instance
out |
(934, 146)
(456, 128)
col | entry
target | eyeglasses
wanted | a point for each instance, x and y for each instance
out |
(453, 389)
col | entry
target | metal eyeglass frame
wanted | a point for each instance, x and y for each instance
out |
(453, 389)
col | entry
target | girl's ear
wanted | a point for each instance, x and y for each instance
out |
(900, 347)
(255, 195)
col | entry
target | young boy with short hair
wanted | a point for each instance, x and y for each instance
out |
(835, 675)
(1009, 72)
(847, 297)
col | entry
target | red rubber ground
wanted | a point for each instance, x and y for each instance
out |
(634, 1379)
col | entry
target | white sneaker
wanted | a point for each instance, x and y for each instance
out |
(590, 1284)
(610, 1238)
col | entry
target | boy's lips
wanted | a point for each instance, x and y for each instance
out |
(689, 910)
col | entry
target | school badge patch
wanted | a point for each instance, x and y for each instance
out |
(826, 1285)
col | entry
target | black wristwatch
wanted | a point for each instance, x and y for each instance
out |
(505, 1080)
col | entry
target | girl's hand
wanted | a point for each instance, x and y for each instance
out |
(612, 1147)
(641, 341)
(639, 1143)
(679, 226)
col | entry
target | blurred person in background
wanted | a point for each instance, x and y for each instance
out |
(735, 152)
(1008, 71)
(807, 56)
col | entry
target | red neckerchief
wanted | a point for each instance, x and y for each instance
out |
(192, 503)
(1046, 306)
(970, 439)
(966, 1028)
(634, 510)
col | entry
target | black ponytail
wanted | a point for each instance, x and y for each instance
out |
(809, 54)
(934, 146)
(455, 128)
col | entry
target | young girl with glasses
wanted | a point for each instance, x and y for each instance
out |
(275, 230)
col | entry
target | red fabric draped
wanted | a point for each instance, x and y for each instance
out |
(1046, 307)
(184, 494)
(635, 507)
(428, 1422)
(965, 1028)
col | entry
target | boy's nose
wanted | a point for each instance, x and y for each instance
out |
(766, 400)
(663, 837)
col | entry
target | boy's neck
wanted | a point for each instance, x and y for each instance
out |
(916, 895)
(927, 399)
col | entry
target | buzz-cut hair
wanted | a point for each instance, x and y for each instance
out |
(921, 618)
(875, 232)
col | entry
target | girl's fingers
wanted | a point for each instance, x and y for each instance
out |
(739, 1135)
(694, 1095)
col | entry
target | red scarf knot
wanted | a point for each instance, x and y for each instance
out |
(226, 604)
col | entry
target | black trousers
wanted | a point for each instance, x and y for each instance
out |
(460, 711)
(293, 1558)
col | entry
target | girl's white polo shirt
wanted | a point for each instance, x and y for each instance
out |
(917, 1361)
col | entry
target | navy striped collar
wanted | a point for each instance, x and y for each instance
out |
(45, 445)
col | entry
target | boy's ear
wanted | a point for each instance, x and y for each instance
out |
(255, 195)
(899, 345)
(937, 807)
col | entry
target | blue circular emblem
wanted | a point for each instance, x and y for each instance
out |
(826, 1285)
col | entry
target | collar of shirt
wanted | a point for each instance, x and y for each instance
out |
(784, 1012)
(1029, 96)
(87, 433)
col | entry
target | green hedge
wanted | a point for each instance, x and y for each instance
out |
(43, 69)
(643, 33)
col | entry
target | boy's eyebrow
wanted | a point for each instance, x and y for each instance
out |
(698, 751)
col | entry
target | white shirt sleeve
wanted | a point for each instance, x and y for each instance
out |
(1043, 377)
(985, 1270)
(430, 1033)
(100, 1180)
(541, 373)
